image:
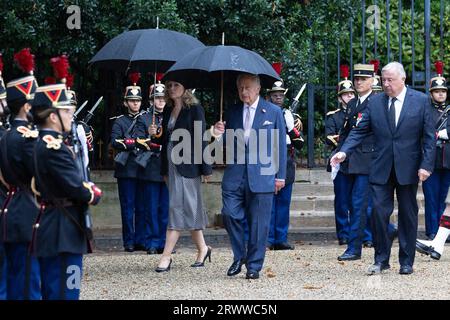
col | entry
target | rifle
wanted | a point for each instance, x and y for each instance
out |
(90, 113)
(143, 158)
(122, 157)
(442, 124)
(78, 151)
(294, 104)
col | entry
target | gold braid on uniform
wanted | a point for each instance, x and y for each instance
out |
(27, 133)
(52, 142)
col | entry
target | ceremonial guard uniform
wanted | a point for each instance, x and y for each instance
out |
(154, 191)
(19, 209)
(61, 233)
(435, 188)
(356, 167)
(279, 222)
(123, 140)
(334, 125)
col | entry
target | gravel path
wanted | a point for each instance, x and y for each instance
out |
(308, 272)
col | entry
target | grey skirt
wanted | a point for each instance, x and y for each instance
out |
(185, 200)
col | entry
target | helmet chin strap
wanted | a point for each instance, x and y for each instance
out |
(29, 117)
(60, 121)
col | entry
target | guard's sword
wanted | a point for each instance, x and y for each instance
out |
(75, 115)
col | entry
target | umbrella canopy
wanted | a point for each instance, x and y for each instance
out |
(204, 67)
(153, 50)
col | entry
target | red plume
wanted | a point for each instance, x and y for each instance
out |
(25, 60)
(439, 65)
(60, 66)
(345, 71)
(49, 80)
(159, 76)
(134, 77)
(1, 64)
(376, 65)
(277, 66)
(69, 80)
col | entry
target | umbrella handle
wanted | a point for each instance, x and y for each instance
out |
(221, 95)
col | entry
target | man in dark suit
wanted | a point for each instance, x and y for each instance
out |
(404, 143)
(248, 186)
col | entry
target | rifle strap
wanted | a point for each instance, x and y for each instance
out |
(440, 122)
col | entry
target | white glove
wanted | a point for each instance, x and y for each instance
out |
(334, 171)
(289, 119)
(442, 134)
(288, 140)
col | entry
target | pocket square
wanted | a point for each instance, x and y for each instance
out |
(266, 123)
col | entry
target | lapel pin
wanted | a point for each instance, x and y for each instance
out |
(263, 110)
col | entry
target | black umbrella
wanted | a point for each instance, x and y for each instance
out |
(212, 67)
(153, 50)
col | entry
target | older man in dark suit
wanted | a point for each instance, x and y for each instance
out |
(403, 129)
(248, 186)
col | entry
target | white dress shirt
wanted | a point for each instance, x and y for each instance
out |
(252, 111)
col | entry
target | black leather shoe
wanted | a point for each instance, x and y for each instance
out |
(140, 247)
(235, 268)
(343, 242)
(377, 268)
(406, 270)
(349, 257)
(167, 269)
(252, 275)
(129, 248)
(270, 247)
(368, 244)
(431, 236)
(428, 250)
(283, 246)
(152, 251)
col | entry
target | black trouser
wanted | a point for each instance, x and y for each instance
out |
(383, 206)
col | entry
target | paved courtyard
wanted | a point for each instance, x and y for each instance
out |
(311, 271)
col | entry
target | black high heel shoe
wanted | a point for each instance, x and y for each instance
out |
(202, 264)
(167, 269)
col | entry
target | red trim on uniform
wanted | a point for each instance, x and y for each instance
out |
(445, 222)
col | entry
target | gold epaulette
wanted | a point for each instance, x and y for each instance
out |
(27, 132)
(333, 112)
(52, 142)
